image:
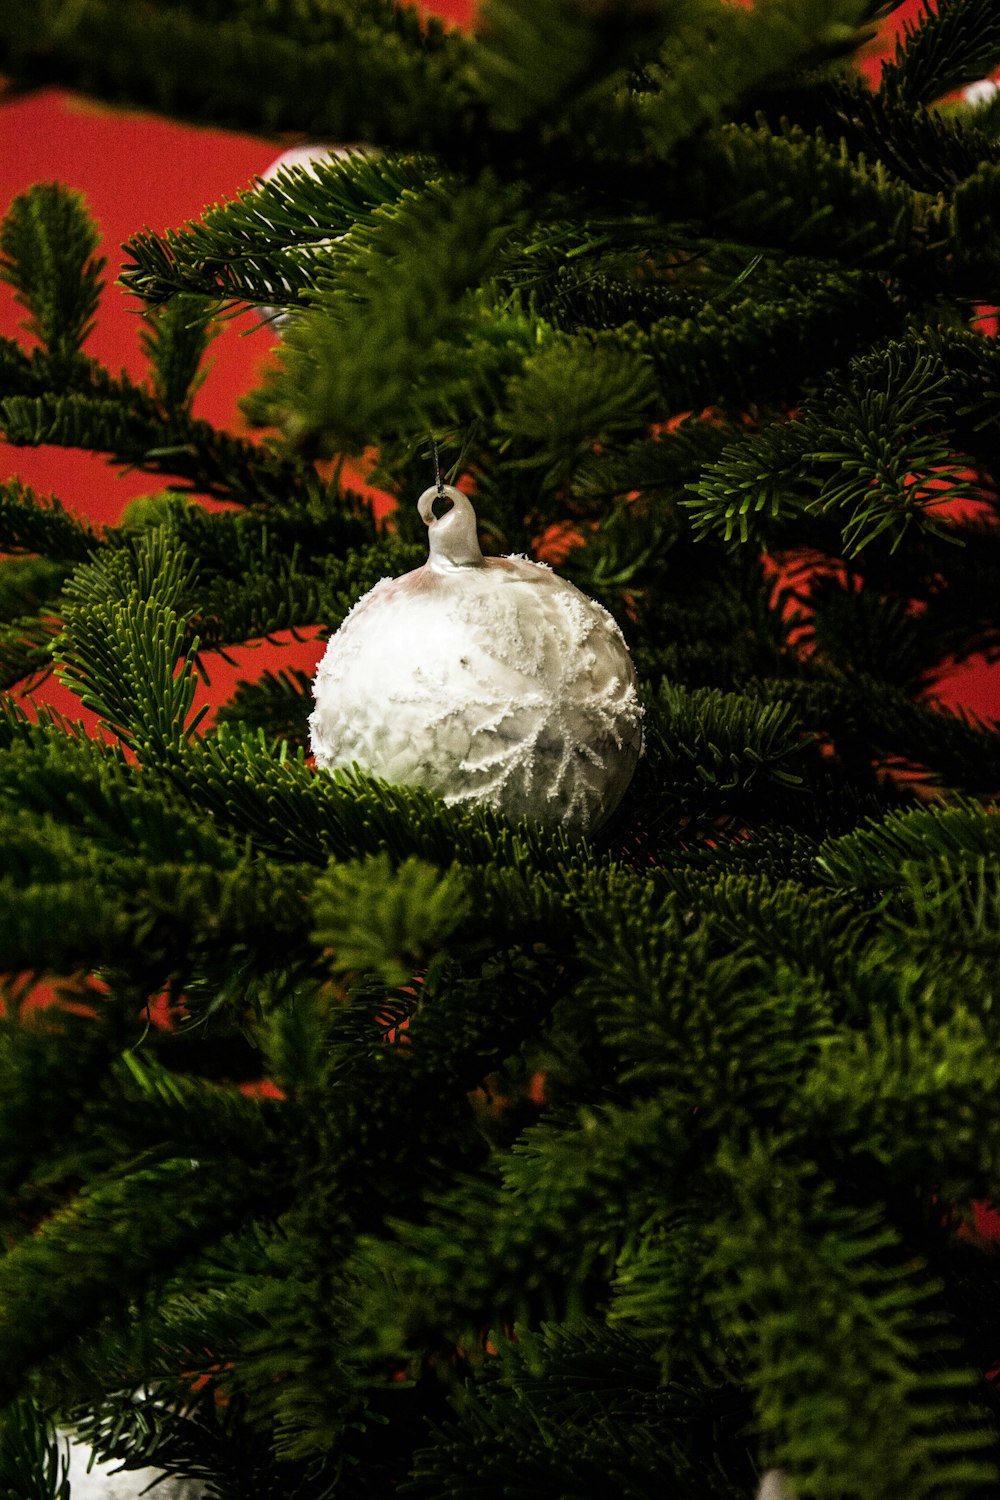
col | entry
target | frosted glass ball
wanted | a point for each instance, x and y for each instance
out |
(982, 92)
(90, 1480)
(486, 680)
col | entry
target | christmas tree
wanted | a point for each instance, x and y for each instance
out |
(373, 1144)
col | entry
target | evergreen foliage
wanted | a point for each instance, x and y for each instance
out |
(370, 1146)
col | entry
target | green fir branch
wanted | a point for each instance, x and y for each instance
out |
(577, 1407)
(556, 1229)
(122, 642)
(131, 426)
(277, 704)
(713, 61)
(22, 374)
(716, 1030)
(837, 457)
(277, 592)
(48, 245)
(174, 340)
(801, 192)
(973, 215)
(348, 76)
(110, 1243)
(26, 646)
(789, 1245)
(929, 149)
(877, 854)
(264, 246)
(953, 43)
(914, 1075)
(436, 341)
(855, 711)
(711, 745)
(50, 1072)
(377, 919)
(34, 1462)
(293, 812)
(33, 523)
(571, 395)
(533, 62)
(761, 350)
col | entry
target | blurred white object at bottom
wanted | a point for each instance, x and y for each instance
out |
(110, 1482)
(774, 1485)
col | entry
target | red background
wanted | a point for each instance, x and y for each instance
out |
(139, 170)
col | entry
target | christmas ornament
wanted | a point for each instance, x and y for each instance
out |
(774, 1485)
(90, 1480)
(487, 680)
(982, 92)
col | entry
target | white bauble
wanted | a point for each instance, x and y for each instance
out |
(486, 680)
(90, 1480)
(774, 1485)
(982, 92)
(306, 156)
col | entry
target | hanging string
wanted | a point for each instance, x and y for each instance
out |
(437, 467)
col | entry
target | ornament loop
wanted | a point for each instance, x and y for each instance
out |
(452, 538)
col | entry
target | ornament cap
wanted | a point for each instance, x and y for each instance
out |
(452, 537)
